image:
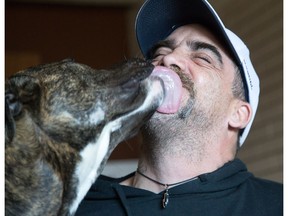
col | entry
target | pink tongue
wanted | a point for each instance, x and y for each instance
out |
(173, 89)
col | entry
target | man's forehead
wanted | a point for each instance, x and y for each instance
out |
(192, 32)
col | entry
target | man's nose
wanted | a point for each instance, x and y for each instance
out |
(173, 59)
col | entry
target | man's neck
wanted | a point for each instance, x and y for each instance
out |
(170, 170)
(174, 157)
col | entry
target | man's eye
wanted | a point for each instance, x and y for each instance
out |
(156, 55)
(205, 59)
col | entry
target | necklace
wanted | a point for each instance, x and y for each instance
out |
(165, 199)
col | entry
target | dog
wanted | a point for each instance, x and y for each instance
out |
(62, 121)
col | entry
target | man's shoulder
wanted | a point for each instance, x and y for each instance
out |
(264, 193)
(104, 182)
(265, 186)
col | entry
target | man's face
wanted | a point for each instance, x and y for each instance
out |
(206, 72)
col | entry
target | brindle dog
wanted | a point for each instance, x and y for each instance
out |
(62, 121)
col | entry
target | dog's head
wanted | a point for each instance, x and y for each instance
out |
(71, 101)
(73, 116)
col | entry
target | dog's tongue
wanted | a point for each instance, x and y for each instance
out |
(173, 89)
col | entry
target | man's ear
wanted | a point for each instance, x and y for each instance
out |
(240, 115)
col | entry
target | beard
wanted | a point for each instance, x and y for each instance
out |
(179, 134)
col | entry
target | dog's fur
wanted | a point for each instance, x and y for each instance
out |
(62, 121)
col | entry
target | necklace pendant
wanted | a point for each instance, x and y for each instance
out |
(165, 200)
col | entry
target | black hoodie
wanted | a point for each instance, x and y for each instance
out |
(230, 190)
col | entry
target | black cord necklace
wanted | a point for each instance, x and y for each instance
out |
(165, 199)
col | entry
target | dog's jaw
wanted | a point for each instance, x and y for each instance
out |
(94, 153)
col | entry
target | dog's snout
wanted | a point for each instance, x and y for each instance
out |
(130, 85)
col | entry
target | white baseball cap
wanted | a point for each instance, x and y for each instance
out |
(157, 19)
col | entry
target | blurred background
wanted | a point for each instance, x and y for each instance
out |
(100, 33)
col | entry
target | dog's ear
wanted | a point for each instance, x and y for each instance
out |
(19, 91)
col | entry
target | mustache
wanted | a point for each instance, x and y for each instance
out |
(189, 85)
(186, 81)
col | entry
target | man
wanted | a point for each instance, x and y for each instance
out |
(187, 164)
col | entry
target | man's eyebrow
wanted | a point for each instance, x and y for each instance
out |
(197, 45)
(170, 44)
